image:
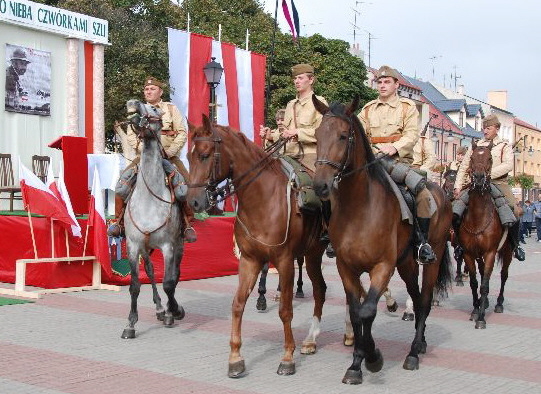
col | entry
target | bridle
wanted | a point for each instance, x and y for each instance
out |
(484, 184)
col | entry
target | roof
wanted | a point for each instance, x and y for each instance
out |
(471, 132)
(491, 106)
(402, 81)
(450, 105)
(525, 124)
(473, 109)
(429, 91)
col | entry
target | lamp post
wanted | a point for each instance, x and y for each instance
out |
(435, 139)
(213, 73)
(517, 150)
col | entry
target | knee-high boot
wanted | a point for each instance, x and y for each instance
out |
(116, 229)
(514, 238)
(326, 212)
(188, 216)
(425, 254)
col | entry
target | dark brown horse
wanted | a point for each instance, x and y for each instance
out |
(481, 236)
(268, 227)
(369, 235)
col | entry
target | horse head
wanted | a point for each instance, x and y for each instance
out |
(209, 165)
(144, 118)
(335, 138)
(480, 167)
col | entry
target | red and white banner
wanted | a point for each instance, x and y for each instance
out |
(96, 220)
(240, 96)
(37, 198)
(61, 192)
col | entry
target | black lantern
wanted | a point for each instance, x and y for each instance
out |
(213, 73)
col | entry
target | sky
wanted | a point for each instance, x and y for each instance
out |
(494, 44)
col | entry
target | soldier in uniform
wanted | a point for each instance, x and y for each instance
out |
(391, 123)
(173, 138)
(271, 136)
(502, 165)
(460, 152)
(14, 90)
(424, 158)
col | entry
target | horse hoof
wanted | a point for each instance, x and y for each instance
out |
(481, 324)
(423, 348)
(286, 368)
(459, 283)
(435, 303)
(309, 348)
(128, 333)
(261, 304)
(236, 369)
(168, 321)
(411, 363)
(498, 309)
(352, 377)
(299, 294)
(408, 316)
(392, 308)
(377, 364)
(160, 315)
(349, 340)
(179, 315)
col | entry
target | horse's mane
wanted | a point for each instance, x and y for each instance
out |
(255, 151)
(376, 170)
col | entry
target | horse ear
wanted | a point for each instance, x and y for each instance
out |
(191, 126)
(320, 106)
(353, 106)
(473, 145)
(206, 124)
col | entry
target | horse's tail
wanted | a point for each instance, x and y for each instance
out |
(445, 278)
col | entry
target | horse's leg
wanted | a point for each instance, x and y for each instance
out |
(176, 309)
(459, 257)
(349, 336)
(313, 268)
(135, 288)
(248, 271)
(299, 293)
(489, 259)
(171, 257)
(261, 304)
(408, 315)
(506, 256)
(470, 263)
(149, 269)
(286, 271)
(392, 306)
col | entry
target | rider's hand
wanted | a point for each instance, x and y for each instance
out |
(388, 149)
(264, 132)
(289, 133)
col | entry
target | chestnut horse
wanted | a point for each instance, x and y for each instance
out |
(268, 227)
(369, 235)
(481, 234)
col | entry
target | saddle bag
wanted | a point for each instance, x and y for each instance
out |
(307, 199)
(176, 179)
(403, 174)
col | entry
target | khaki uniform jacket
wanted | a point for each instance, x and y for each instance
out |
(301, 114)
(502, 161)
(173, 124)
(388, 119)
(454, 165)
(424, 157)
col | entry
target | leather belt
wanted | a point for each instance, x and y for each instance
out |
(169, 132)
(501, 178)
(384, 140)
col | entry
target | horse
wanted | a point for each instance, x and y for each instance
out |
(481, 236)
(152, 220)
(368, 234)
(449, 178)
(267, 228)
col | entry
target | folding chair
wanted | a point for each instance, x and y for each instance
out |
(40, 165)
(7, 184)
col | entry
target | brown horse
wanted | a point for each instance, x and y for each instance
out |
(481, 234)
(268, 227)
(368, 233)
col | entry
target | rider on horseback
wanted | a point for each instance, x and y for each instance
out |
(460, 153)
(172, 140)
(391, 122)
(502, 165)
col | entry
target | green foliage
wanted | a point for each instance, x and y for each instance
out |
(138, 37)
(525, 181)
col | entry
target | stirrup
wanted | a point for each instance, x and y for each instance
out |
(115, 230)
(519, 254)
(425, 254)
(190, 235)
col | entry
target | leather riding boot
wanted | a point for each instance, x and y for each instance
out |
(326, 212)
(188, 216)
(456, 223)
(116, 228)
(425, 254)
(514, 238)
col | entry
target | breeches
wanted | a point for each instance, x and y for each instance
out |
(423, 203)
(509, 196)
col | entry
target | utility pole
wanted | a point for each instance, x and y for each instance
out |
(354, 24)
(433, 58)
(370, 38)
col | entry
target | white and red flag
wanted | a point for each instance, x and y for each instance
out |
(61, 192)
(96, 220)
(240, 96)
(37, 198)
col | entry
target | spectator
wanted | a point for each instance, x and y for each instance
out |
(537, 213)
(527, 219)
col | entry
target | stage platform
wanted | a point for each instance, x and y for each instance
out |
(211, 256)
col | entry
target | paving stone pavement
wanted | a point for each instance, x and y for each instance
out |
(70, 343)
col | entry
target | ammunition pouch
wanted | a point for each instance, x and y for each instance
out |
(307, 199)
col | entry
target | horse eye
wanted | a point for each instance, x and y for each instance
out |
(343, 137)
(204, 156)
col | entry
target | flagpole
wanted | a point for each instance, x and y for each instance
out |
(67, 243)
(52, 238)
(269, 72)
(86, 237)
(33, 236)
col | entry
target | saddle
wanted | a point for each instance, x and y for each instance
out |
(302, 183)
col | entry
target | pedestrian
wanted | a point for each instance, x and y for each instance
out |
(527, 219)
(537, 213)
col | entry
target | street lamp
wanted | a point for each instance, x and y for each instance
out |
(435, 139)
(213, 73)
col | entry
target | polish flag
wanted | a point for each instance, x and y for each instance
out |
(96, 220)
(241, 93)
(37, 198)
(61, 192)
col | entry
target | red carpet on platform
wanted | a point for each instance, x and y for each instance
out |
(212, 255)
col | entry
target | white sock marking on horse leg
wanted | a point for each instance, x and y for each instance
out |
(409, 305)
(389, 300)
(349, 327)
(314, 330)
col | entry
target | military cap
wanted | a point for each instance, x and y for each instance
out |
(491, 120)
(153, 81)
(386, 71)
(461, 150)
(19, 54)
(302, 69)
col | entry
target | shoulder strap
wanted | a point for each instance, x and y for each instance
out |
(501, 152)
(404, 111)
(367, 120)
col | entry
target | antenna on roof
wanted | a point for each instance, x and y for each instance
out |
(433, 58)
(455, 77)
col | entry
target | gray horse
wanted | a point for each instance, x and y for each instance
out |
(152, 219)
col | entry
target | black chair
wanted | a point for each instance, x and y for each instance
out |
(40, 165)
(7, 184)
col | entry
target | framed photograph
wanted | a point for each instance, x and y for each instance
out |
(28, 80)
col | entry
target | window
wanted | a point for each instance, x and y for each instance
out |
(461, 119)
(477, 123)
(445, 148)
(454, 151)
(437, 148)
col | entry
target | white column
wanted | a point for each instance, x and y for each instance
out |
(98, 96)
(73, 87)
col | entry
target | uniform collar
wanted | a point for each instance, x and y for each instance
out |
(158, 104)
(393, 102)
(497, 140)
(304, 100)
